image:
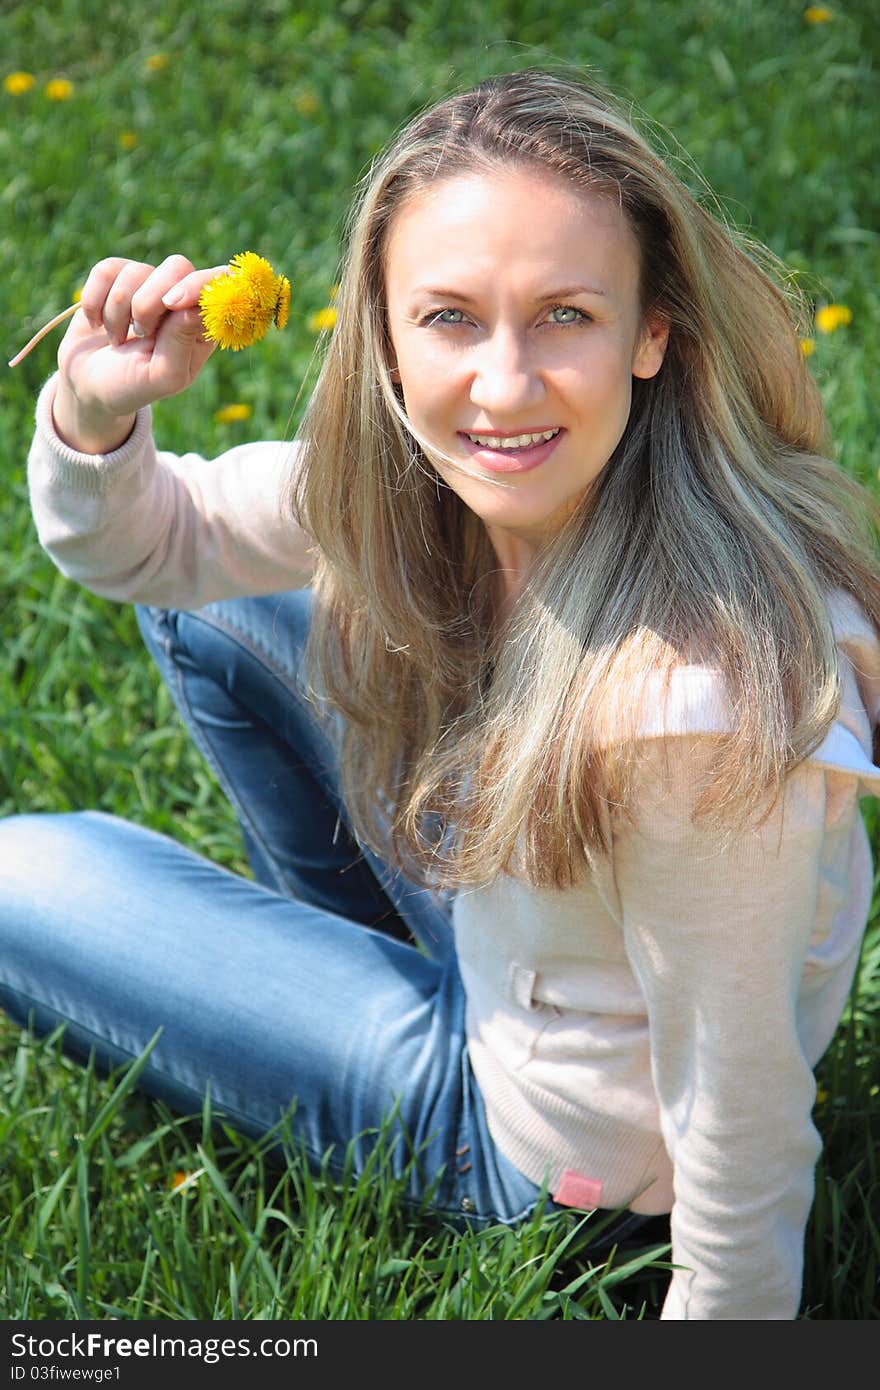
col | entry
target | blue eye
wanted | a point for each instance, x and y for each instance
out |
(574, 314)
(441, 317)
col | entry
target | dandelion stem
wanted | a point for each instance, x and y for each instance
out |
(47, 328)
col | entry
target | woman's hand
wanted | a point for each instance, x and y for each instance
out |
(138, 336)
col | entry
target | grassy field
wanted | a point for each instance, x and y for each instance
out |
(221, 125)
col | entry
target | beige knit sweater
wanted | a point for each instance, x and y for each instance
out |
(646, 1038)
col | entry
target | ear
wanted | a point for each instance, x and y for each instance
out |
(651, 348)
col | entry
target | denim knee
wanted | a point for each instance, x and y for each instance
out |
(33, 848)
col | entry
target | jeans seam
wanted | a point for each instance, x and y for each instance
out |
(286, 679)
(223, 778)
(258, 652)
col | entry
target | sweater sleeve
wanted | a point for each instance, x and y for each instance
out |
(718, 938)
(142, 526)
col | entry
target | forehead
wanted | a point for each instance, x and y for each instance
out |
(521, 221)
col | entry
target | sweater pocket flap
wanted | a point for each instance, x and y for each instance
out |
(521, 986)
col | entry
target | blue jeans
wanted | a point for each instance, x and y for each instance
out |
(302, 986)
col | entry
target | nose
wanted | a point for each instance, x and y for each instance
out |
(505, 379)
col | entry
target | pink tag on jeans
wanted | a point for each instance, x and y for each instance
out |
(575, 1190)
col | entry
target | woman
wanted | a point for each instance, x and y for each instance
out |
(552, 643)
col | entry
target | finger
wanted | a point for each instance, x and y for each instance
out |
(185, 294)
(96, 288)
(147, 309)
(117, 305)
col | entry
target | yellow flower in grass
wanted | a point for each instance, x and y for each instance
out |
(231, 414)
(239, 305)
(59, 89)
(322, 321)
(833, 316)
(306, 103)
(17, 83)
(180, 1179)
(817, 14)
(808, 346)
(156, 62)
(128, 140)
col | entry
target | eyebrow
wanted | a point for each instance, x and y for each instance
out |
(564, 292)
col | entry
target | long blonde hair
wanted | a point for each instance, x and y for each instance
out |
(712, 536)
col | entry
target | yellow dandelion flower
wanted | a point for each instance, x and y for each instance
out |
(323, 320)
(228, 314)
(156, 62)
(231, 414)
(17, 83)
(179, 1178)
(808, 346)
(306, 103)
(128, 140)
(239, 305)
(833, 316)
(259, 276)
(59, 89)
(817, 14)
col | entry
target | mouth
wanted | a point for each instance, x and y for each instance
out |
(512, 453)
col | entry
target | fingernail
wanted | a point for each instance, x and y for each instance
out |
(138, 329)
(172, 297)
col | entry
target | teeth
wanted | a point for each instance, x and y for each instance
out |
(513, 441)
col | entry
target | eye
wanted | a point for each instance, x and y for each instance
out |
(571, 314)
(451, 317)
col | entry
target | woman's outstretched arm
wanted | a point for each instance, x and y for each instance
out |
(114, 514)
(142, 526)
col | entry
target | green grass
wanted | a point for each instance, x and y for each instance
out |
(252, 136)
(96, 1229)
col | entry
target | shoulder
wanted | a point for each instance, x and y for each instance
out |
(850, 746)
(693, 701)
(859, 644)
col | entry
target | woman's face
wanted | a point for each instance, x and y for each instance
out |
(514, 318)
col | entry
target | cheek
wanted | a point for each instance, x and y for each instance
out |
(603, 388)
(429, 386)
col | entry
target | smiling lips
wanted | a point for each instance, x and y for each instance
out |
(511, 453)
(512, 441)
